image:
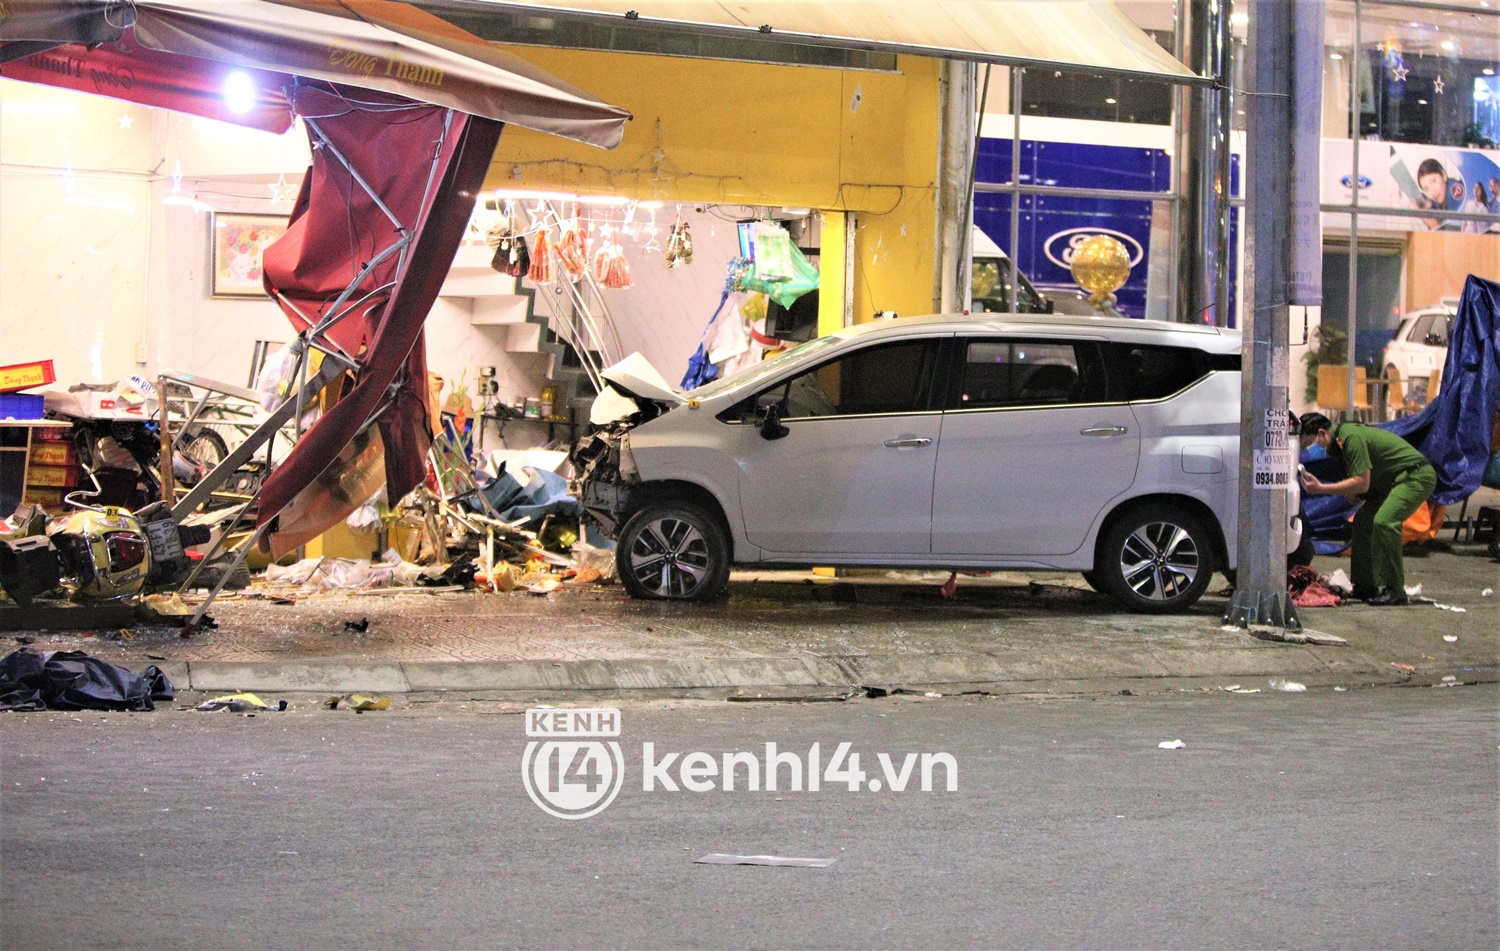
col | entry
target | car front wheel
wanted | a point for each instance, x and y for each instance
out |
(673, 551)
(1156, 560)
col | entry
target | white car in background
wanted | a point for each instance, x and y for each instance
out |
(1420, 346)
(1104, 446)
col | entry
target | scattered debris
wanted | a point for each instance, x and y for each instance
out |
(1287, 686)
(1487, 593)
(239, 703)
(1340, 689)
(1171, 745)
(1400, 666)
(358, 702)
(719, 858)
(1414, 591)
(1236, 688)
(931, 694)
(1339, 581)
(1451, 638)
(1324, 640)
(950, 587)
(25, 639)
(358, 627)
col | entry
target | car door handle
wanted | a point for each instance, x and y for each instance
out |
(909, 442)
(1103, 431)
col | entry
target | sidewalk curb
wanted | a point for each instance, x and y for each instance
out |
(801, 676)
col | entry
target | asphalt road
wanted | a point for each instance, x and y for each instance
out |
(1360, 819)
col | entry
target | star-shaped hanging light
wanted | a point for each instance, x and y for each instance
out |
(126, 121)
(1399, 73)
(1437, 85)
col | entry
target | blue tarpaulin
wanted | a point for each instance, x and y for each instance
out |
(1453, 432)
(543, 493)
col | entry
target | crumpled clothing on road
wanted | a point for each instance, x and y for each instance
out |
(72, 680)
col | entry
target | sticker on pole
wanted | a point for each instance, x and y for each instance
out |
(1272, 468)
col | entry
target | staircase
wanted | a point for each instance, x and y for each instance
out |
(570, 336)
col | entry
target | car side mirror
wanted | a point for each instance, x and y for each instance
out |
(770, 424)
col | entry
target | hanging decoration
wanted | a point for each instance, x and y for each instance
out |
(679, 244)
(610, 268)
(543, 268)
(573, 249)
(505, 239)
(780, 271)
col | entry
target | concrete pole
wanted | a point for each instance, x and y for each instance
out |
(1200, 165)
(956, 134)
(1260, 596)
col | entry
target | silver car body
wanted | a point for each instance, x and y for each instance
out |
(1019, 487)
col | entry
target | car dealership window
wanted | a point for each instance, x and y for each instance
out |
(895, 378)
(1006, 373)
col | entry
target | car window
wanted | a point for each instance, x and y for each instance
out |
(1420, 329)
(1148, 372)
(1030, 373)
(891, 378)
(1444, 329)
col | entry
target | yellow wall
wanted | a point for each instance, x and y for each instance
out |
(747, 133)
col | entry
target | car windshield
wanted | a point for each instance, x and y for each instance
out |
(754, 374)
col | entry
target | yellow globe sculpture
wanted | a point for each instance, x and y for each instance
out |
(1101, 266)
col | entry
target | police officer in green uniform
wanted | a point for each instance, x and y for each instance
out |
(1394, 480)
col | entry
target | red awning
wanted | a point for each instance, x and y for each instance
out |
(425, 164)
(371, 44)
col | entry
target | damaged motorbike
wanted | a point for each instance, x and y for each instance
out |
(96, 553)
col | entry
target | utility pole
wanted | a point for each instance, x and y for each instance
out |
(1281, 226)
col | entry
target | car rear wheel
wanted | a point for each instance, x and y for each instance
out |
(673, 551)
(1156, 560)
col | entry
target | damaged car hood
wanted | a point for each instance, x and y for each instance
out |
(635, 376)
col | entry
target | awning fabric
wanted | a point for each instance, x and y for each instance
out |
(397, 149)
(1089, 34)
(371, 44)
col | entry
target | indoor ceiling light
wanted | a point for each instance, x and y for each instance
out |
(1110, 101)
(1335, 55)
(1446, 44)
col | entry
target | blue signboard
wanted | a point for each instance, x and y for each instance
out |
(1051, 227)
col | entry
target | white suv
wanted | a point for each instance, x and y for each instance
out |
(1105, 446)
(1420, 345)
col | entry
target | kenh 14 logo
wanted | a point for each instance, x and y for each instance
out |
(571, 769)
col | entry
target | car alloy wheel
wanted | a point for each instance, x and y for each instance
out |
(1156, 560)
(675, 552)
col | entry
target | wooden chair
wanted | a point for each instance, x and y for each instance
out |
(1333, 388)
(1395, 393)
(1333, 391)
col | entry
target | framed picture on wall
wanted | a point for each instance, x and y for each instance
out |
(238, 241)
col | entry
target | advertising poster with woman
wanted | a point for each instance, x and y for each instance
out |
(1438, 179)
